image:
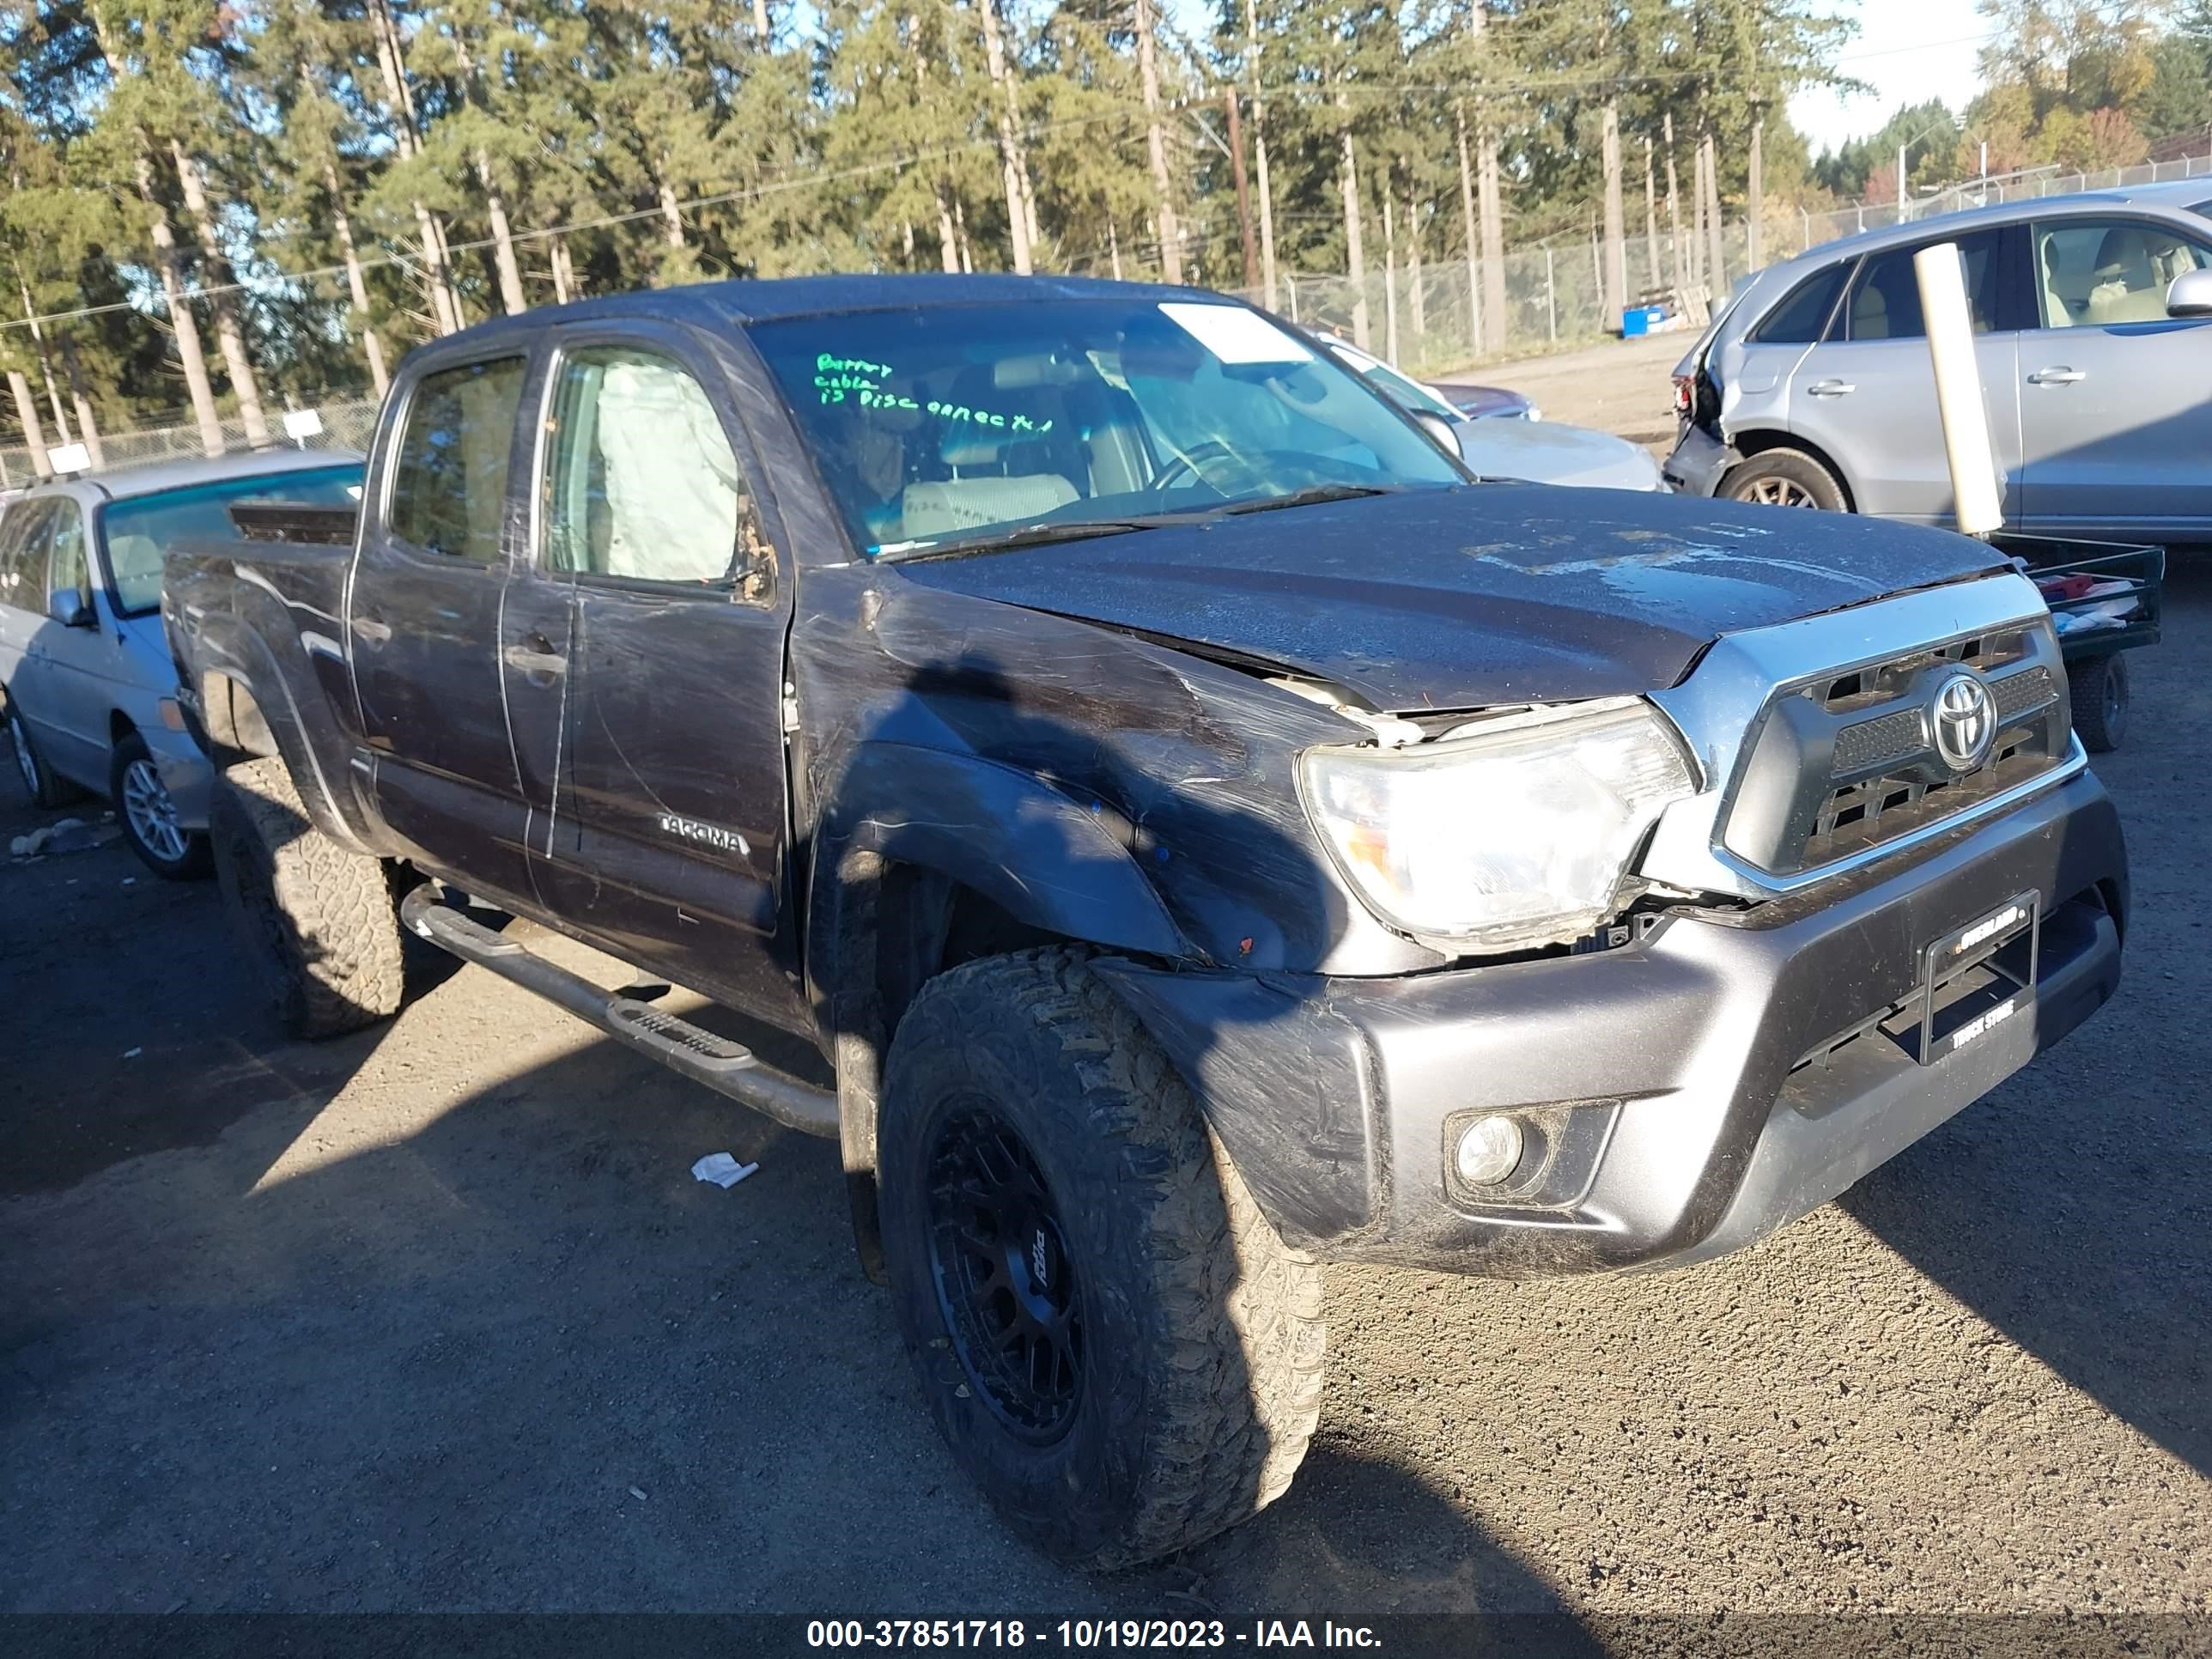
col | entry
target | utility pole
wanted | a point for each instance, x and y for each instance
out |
(1243, 192)
(1260, 156)
(1148, 71)
(1755, 237)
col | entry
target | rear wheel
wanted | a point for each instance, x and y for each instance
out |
(1785, 478)
(38, 779)
(317, 918)
(1116, 1345)
(2100, 689)
(149, 816)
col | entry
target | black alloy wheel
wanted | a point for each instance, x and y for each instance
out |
(1004, 1283)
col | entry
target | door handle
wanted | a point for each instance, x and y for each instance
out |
(534, 659)
(1829, 388)
(2058, 375)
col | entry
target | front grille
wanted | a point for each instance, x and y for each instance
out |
(1840, 762)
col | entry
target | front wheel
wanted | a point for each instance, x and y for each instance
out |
(1116, 1345)
(149, 816)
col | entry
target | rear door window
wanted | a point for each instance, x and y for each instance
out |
(25, 537)
(449, 481)
(1803, 318)
(1885, 299)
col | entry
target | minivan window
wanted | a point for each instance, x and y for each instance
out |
(69, 569)
(1885, 301)
(138, 530)
(1803, 318)
(449, 481)
(23, 555)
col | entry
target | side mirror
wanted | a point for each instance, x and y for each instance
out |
(68, 607)
(2191, 295)
(1439, 430)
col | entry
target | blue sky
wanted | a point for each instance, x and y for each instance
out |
(1907, 51)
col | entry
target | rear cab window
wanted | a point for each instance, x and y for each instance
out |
(448, 490)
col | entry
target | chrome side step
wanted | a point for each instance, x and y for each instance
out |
(730, 1069)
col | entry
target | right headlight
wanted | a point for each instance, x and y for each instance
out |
(1503, 838)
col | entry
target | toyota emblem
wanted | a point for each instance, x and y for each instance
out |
(1964, 720)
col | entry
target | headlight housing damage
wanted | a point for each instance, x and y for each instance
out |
(1504, 835)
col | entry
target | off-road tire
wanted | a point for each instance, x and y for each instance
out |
(318, 919)
(48, 790)
(196, 861)
(1787, 471)
(1201, 1356)
(2099, 691)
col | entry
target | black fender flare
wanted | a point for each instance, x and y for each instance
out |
(306, 733)
(1047, 858)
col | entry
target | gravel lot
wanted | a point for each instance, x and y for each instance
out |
(434, 1317)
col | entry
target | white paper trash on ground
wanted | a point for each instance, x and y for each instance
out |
(722, 1170)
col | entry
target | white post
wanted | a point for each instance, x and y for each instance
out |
(1900, 184)
(1943, 278)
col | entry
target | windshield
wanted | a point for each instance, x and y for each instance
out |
(139, 529)
(951, 427)
(1400, 388)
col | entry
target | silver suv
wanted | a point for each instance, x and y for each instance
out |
(1813, 388)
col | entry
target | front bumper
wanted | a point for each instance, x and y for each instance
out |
(1666, 1074)
(1697, 462)
(186, 774)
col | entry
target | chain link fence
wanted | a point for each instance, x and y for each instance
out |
(1554, 294)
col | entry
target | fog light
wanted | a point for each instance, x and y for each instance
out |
(1489, 1151)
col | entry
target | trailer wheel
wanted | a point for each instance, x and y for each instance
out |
(2099, 691)
(316, 919)
(1117, 1346)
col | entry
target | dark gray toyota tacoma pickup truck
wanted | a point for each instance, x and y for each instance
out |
(1205, 832)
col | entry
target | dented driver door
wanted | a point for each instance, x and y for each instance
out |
(667, 841)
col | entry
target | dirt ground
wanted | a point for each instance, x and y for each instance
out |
(435, 1317)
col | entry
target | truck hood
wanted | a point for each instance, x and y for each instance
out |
(1475, 596)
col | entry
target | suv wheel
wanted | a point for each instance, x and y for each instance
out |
(316, 919)
(149, 816)
(1785, 478)
(38, 779)
(1116, 1345)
